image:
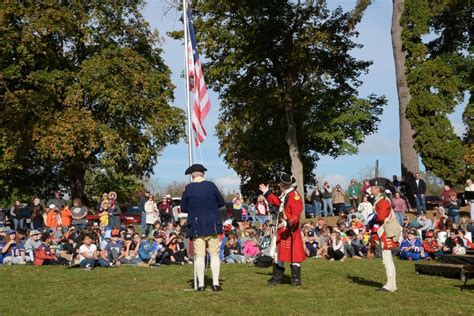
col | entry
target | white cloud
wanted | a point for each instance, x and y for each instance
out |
(228, 183)
(379, 145)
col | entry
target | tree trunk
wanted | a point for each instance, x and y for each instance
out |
(292, 141)
(408, 155)
(77, 182)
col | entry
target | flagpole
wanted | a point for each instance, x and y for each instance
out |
(186, 67)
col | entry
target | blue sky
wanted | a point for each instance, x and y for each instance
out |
(383, 146)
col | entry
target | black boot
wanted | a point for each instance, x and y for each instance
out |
(274, 266)
(277, 275)
(295, 275)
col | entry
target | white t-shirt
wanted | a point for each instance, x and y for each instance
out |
(89, 250)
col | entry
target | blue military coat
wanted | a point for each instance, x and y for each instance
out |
(202, 200)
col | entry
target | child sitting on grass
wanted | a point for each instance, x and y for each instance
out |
(89, 256)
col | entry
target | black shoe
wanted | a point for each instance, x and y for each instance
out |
(382, 290)
(277, 275)
(200, 289)
(295, 275)
(275, 267)
(216, 288)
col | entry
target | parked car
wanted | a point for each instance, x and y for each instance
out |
(131, 215)
(433, 201)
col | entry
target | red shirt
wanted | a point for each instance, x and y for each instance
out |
(43, 253)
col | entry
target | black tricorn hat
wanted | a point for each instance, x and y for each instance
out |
(286, 178)
(195, 168)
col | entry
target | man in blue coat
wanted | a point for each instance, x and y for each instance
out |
(201, 200)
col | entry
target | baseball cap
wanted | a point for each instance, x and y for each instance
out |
(128, 237)
(310, 234)
(429, 235)
(158, 234)
(52, 206)
(10, 232)
(35, 232)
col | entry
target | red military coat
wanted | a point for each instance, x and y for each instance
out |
(383, 207)
(289, 239)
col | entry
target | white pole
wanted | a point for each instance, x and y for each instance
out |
(188, 107)
(186, 67)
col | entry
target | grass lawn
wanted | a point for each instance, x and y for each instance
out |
(336, 288)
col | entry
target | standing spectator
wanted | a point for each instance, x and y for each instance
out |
(316, 198)
(152, 215)
(114, 211)
(89, 256)
(470, 201)
(66, 218)
(166, 209)
(454, 208)
(261, 210)
(104, 214)
(396, 184)
(336, 248)
(15, 213)
(237, 209)
(58, 200)
(366, 187)
(37, 219)
(12, 250)
(78, 213)
(445, 196)
(399, 205)
(327, 199)
(53, 219)
(365, 208)
(354, 193)
(419, 190)
(338, 199)
(141, 206)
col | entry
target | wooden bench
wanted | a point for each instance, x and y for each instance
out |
(468, 271)
(462, 271)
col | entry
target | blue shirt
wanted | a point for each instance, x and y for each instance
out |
(202, 200)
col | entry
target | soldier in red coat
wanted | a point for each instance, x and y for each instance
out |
(383, 208)
(289, 240)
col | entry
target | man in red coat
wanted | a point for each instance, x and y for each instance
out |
(289, 240)
(383, 208)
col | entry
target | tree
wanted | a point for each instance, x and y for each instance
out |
(440, 77)
(83, 87)
(408, 155)
(287, 85)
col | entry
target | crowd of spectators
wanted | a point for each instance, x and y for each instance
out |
(60, 234)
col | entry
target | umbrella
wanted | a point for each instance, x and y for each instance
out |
(379, 181)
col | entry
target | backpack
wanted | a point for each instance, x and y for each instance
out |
(263, 261)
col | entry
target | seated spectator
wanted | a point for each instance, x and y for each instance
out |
(467, 243)
(336, 248)
(251, 250)
(45, 255)
(32, 244)
(411, 248)
(176, 250)
(89, 256)
(431, 246)
(452, 241)
(356, 223)
(232, 253)
(353, 212)
(359, 245)
(158, 250)
(114, 248)
(365, 208)
(131, 247)
(145, 250)
(341, 220)
(425, 224)
(311, 245)
(12, 249)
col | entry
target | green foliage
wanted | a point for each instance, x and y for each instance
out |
(259, 54)
(440, 76)
(83, 86)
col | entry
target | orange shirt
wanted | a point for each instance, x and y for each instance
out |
(52, 219)
(66, 217)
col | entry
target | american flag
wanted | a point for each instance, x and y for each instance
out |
(201, 105)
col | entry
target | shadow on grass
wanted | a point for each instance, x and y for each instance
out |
(207, 282)
(364, 281)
